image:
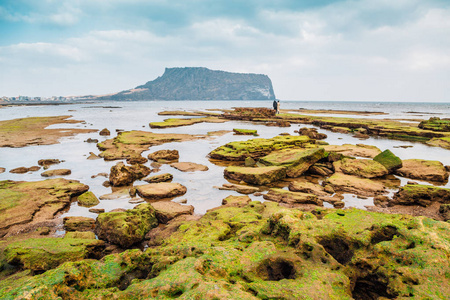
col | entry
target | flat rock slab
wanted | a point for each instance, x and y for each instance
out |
(366, 168)
(56, 172)
(307, 187)
(284, 196)
(189, 167)
(355, 185)
(159, 178)
(168, 210)
(239, 201)
(360, 150)
(296, 161)
(258, 176)
(429, 170)
(169, 155)
(242, 189)
(124, 193)
(161, 190)
(78, 224)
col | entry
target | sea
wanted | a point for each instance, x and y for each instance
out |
(201, 186)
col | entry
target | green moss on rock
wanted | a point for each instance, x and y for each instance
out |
(258, 176)
(424, 195)
(389, 160)
(88, 199)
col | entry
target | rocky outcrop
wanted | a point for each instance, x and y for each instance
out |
(284, 196)
(257, 176)
(125, 228)
(366, 168)
(424, 195)
(296, 161)
(168, 210)
(121, 174)
(436, 124)
(201, 84)
(161, 190)
(429, 170)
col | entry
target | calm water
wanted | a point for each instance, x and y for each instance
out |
(201, 194)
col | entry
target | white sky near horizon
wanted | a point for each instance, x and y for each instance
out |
(368, 50)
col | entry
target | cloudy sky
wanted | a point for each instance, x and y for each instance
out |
(368, 50)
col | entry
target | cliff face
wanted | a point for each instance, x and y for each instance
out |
(201, 84)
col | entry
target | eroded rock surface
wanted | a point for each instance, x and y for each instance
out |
(161, 190)
(429, 170)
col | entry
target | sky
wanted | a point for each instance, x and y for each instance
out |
(315, 50)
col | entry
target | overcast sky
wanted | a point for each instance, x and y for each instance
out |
(369, 50)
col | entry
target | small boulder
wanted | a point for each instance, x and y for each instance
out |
(56, 172)
(79, 235)
(169, 155)
(89, 140)
(239, 201)
(312, 133)
(284, 196)
(78, 223)
(429, 170)
(238, 131)
(19, 170)
(307, 187)
(125, 228)
(92, 156)
(249, 162)
(159, 178)
(168, 210)
(87, 199)
(2, 170)
(97, 210)
(366, 168)
(121, 174)
(389, 160)
(161, 190)
(258, 176)
(242, 189)
(48, 162)
(105, 131)
(356, 185)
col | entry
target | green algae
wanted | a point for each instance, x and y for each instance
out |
(177, 122)
(389, 160)
(264, 251)
(245, 131)
(435, 124)
(88, 199)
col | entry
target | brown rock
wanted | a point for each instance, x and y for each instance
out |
(243, 189)
(258, 176)
(381, 200)
(34, 169)
(169, 155)
(56, 172)
(355, 185)
(318, 169)
(429, 170)
(78, 224)
(161, 190)
(239, 201)
(444, 210)
(121, 174)
(159, 178)
(48, 162)
(168, 210)
(423, 195)
(136, 160)
(284, 196)
(89, 140)
(104, 131)
(92, 156)
(20, 170)
(2, 170)
(366, 168)
(307, 187)
(97, 210)
(312, 133)
(189, 167)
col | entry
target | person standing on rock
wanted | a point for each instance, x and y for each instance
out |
(278, 107)
(275, 105)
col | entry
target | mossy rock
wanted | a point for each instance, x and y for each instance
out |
(436, 124)
(424, 195)
(356, 185)
(284, 196)
(128, 227)
(245, 131)
(360, 167)
(443, 142)
(389, 160)
(47, 253)
(296, 161)
(264, 251)
(256, 148)
(88, 199)
(257, 176)
(177, 122)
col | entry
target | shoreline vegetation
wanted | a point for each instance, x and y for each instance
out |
(289, 246)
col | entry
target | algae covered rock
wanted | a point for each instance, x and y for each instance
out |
(389, 160)
(169, 155)
(168, 210)
(56, 172)
(258, 176)
(366, 168)
(125, 228)
(429, 170)
(159, 178)
(47, 253)
(417, 194)
(361, 150)
(236, 200)
(88, 199)
(238, 131)
(161, 190)
(435, 124)
(240, 188)
(296, 161)
(30, 202)
(280, 195)
(78, 223)
(122, 174)
(256, 148)
(307, 187)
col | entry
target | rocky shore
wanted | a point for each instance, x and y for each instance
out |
(298, 241)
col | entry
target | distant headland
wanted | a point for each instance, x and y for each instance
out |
(200, 84)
